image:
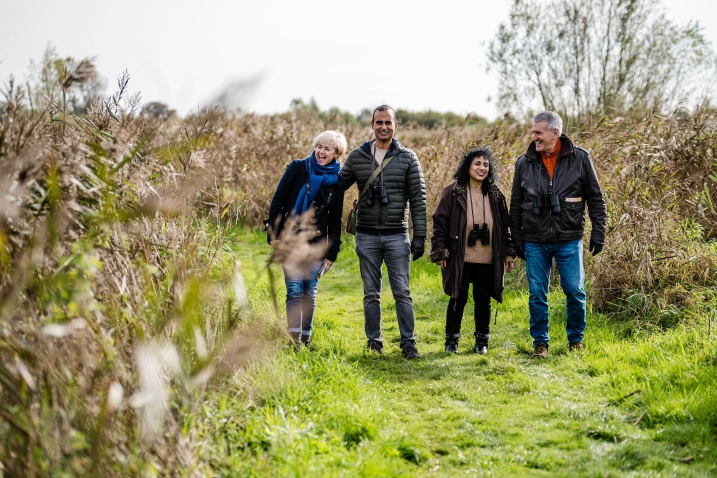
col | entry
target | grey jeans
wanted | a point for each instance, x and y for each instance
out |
(395, 251)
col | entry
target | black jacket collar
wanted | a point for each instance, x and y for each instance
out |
(366, 147)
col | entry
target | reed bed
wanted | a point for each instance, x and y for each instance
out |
(118, 304)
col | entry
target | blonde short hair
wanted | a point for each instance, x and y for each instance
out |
(336, 137)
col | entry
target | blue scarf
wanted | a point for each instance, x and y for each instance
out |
(319, 176)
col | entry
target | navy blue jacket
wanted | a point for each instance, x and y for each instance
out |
(328, 221)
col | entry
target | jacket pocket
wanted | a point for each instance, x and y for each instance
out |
(572, 216)
(529, 221)
(453, 244)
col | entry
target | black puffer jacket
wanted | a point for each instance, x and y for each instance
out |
(329, 221)
(575, 183)
(403, 180)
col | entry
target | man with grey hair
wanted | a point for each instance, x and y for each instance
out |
(553, 182)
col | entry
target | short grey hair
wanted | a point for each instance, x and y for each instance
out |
(552, 118)
(336, 137)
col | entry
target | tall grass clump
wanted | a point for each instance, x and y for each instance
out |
(114, 305)
(659, 174)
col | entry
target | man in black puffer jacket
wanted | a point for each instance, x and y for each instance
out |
(382, 224)
(554, 181)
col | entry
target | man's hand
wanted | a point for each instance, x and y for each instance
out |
(520, 252)
(509, 265)
(442, 264)
(274, 243)
(417, 248)
(595, 247)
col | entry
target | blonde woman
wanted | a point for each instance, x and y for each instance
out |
(313, 182)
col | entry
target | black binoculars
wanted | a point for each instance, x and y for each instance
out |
(481, 233)
(546, 200)
(318, 208)
(376, 191)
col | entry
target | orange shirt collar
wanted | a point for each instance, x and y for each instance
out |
(551, 160)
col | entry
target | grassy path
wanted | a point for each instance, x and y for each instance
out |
(341, 411)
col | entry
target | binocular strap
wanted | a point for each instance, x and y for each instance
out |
(471, 196)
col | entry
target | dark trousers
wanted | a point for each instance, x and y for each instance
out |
(481, 276)
(395, 251)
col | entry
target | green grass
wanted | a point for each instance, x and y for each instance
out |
(342, 411)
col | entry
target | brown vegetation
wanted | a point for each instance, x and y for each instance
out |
(114, 303)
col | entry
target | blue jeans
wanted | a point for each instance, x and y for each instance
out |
(538, 263)
(395, 251)
(301, 299)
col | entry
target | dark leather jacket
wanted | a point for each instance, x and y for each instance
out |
(575, 183)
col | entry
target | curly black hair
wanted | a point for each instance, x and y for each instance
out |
(463, 178)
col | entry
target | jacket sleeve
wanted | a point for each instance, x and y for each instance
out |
(335, 213)
(441, 220)
(417, 196)
(278, 202)
(597, 210)
(505, 221)
(347, 173)
(516, 200)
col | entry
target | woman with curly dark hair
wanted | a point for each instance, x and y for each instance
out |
(472, 244)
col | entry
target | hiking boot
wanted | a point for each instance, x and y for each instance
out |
(481, 346)
(295, 340)
(540, 351)
(410, 352)
(452, 344)
(306, 342)
(375, 345)
(576, 347)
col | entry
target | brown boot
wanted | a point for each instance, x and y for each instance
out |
(540, 351)
(576, 347)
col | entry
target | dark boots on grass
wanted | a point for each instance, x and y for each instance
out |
(481, 346)
(299, 340)
(452, 343)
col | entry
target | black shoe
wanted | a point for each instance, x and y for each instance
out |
(481, 346)
(452, 345)
(375, 345)
(410, 352)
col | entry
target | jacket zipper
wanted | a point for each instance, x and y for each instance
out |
(544, 172)
(555, 176)
(380, 217)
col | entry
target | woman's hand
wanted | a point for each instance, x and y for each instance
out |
(327, 265)
(442, 264)
(509, 265)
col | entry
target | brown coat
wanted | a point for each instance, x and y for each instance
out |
(449, 237)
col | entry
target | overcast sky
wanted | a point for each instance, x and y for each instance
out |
(346, 54)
